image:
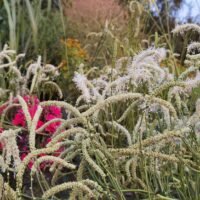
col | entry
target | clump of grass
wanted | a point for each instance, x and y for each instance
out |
(35, 78)
(132, 133)
(33, 27)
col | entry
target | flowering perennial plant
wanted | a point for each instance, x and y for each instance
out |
(132, 134)
(18, 119)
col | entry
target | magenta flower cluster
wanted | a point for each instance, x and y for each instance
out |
(18, 119)
(49, 113)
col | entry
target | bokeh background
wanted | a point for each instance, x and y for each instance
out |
(68, 33)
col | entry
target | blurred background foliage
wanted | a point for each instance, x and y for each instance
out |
(95, 33)
(33, 27)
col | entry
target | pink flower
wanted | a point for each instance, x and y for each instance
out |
(23, 156)
(19, 119)
(53, 110)
(30, 164)
(53, 126)
(40, 123)
(32, 110)
(56, 111)
(50, 117)
(49, 113)
(33, 100)
(59, 151)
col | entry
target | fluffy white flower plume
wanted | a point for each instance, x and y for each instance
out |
(185, 28)
(193, 46)
(10, 150)
(81, 83)
(145, 68)
(149, 56)
(192, 83)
